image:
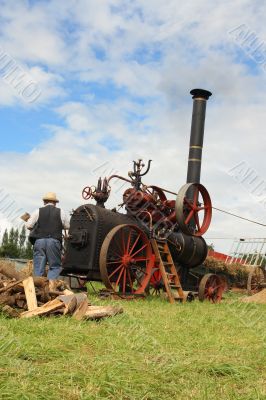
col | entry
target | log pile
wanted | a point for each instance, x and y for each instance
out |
(37, 296)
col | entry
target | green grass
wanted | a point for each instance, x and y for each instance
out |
(153, 351)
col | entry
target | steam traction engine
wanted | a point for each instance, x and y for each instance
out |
(156, 242)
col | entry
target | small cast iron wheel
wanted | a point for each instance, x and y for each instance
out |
(256, 280)
(126, 260)
(193, 209)
(211, 288)
(87, 192)
(188, 296)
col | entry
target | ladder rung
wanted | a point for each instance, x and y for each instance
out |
(175, 286)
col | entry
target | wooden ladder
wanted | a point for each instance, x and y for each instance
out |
(168, 270)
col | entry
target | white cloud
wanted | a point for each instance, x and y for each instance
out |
(58, 43)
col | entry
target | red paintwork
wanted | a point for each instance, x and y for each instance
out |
(223, 257)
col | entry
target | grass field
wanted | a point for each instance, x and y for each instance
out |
(153, 351)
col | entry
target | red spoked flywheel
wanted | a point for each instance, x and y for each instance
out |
(193, 209)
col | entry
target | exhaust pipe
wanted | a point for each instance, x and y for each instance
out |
(200, 97)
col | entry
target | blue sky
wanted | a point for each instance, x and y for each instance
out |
(114, 80)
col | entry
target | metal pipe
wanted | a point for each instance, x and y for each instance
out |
(119, 177)
(200, 97)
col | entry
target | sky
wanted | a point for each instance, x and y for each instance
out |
(105, 82)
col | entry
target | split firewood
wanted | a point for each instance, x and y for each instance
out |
(30, 293)
(21, 304)
(43, 296)
(80, 297)
(97, 312)
(67, 292)
(70, 303)
(40, 281)
(81, 308)
(45, 309)
(19, 288)
(7, 299)
(9, 286)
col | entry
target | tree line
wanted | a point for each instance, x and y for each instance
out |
(15, 244)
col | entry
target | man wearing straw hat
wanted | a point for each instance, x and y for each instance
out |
(46, 225)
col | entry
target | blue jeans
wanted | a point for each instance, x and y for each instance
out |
(47, 250)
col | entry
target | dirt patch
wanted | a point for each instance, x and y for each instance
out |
(259, 297)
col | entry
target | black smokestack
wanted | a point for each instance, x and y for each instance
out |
(200, 98)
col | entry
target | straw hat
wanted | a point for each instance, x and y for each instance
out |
(50, 196)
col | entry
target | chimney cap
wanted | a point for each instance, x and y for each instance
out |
(205, 94)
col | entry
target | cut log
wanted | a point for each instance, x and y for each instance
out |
(11, 312)
(70, 303)
(7, 299)
(97, 312)
(30, 293)
(40, 281)
(7, 268)
(21, 304)
(45, 309)
(80, 297)
(81, 309)
(9, 286)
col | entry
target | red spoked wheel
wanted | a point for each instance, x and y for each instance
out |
(193, 209)
(87, 192)
(211, 288)
(126, 260)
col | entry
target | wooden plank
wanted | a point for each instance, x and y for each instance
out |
(97, 312)
(45, 309)
(30, 293)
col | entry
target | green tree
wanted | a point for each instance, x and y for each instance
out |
(5, 238)
(14, 244)
(28, 253)
(22, 238)
(4, 244)
(211, 247)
